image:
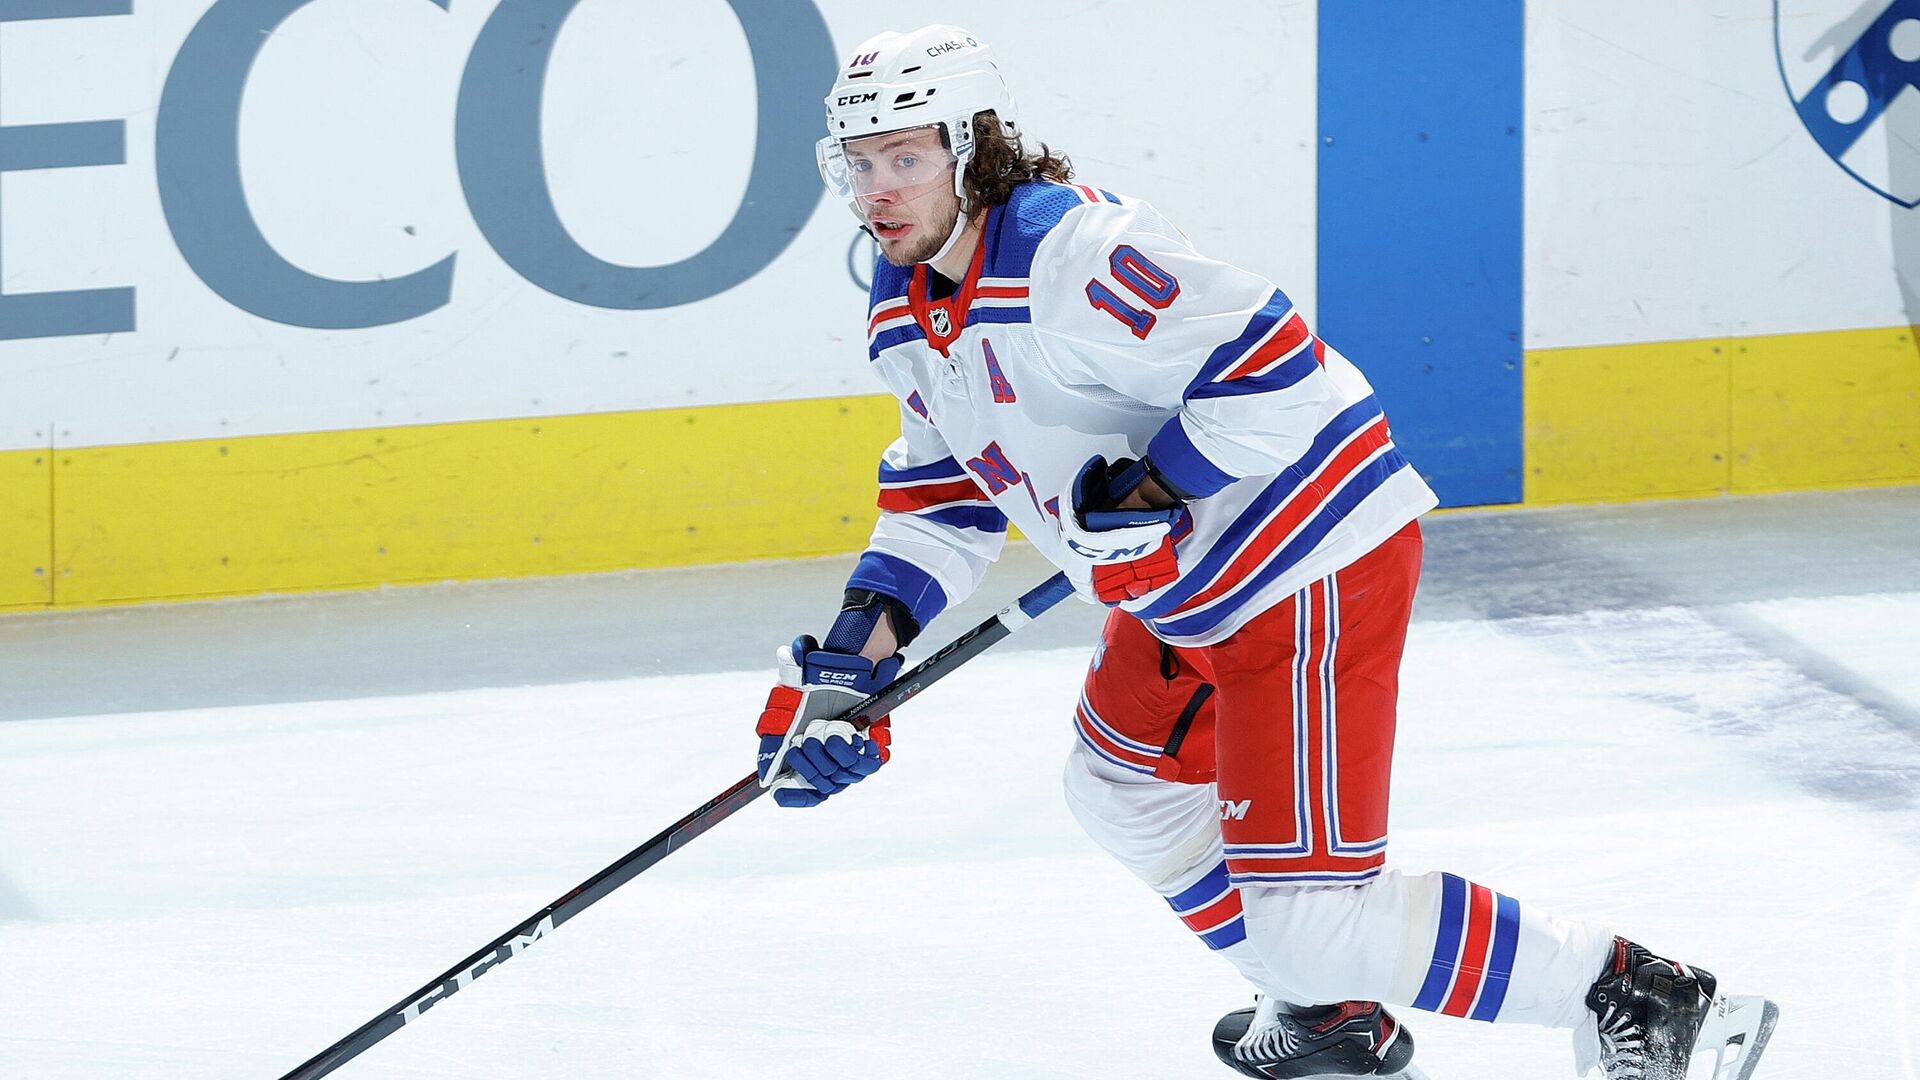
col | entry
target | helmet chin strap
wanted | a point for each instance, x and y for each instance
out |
(959, 227)
(960, 189)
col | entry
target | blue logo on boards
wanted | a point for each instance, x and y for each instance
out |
(1852, 70)
(862, 253)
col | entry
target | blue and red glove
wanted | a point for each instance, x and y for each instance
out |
(1117, 555)
(805, 754)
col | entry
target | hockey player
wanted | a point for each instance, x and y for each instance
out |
(1169, 431)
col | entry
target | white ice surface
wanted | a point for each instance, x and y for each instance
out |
(222, 893)
(1874, 635)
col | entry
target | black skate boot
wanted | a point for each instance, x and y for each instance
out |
(1655, 1016)
(1353, 1038)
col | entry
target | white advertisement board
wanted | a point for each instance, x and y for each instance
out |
(244, 217)
(1674, 192)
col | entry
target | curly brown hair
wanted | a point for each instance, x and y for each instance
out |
(1000, 163)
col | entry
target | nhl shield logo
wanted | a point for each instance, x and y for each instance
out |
(1852, 71)
(942, 322)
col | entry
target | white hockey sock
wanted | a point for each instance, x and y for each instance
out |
(1433, 941)
(1212, 909)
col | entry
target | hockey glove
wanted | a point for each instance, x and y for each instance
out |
(1118, 555)
(805, 754)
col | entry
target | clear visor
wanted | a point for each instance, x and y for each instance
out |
(895, 161)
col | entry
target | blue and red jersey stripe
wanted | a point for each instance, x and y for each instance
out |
(1350, 458)
(1285, 357)
(1258, 328)
(925, 496)
(941, 491)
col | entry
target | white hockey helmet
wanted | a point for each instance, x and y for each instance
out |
(936, 76)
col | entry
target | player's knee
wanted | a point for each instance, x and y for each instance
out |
(1166, 834)
(1096, 792)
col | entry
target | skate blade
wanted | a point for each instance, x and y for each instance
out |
(1732, 1038)
(1411, 1072)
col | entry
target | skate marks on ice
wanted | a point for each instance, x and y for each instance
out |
(1654, 772)
(14, 905)
(1861, 646)
(1695, 553)
(383, 838)
(1735, 675)
(1822, 693)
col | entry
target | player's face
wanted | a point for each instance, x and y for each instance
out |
(903, 184)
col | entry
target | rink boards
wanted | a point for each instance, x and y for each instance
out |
(326, 295)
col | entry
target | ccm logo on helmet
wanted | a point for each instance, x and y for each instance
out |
(856, 99)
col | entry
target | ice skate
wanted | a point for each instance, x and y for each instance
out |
(1353, 1038)
(1662, 1020)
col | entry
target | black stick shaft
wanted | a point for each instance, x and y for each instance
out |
(675, 836)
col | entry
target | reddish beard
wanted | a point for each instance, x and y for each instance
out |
(921, 244)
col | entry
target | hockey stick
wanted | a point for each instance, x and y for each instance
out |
(632, 864)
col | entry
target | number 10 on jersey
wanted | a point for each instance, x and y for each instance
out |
(1141, 278)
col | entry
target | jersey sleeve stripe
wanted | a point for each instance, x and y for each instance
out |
(1283, 342)
(1270, 315)
(930, 496)
(1174, 454)
(1336, 434)
(887, 573)
(984, 518)
(1286, 519)
(944, 469)
(1291, 547)
(1280, 377)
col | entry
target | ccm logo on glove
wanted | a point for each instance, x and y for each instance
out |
(1122, 554)
(806, 752)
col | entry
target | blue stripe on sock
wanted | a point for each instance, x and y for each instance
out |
(1201, 891)
(1453, 910)
(1233, 933)
(1506, 940)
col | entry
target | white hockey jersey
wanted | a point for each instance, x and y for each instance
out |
(1087, 324)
